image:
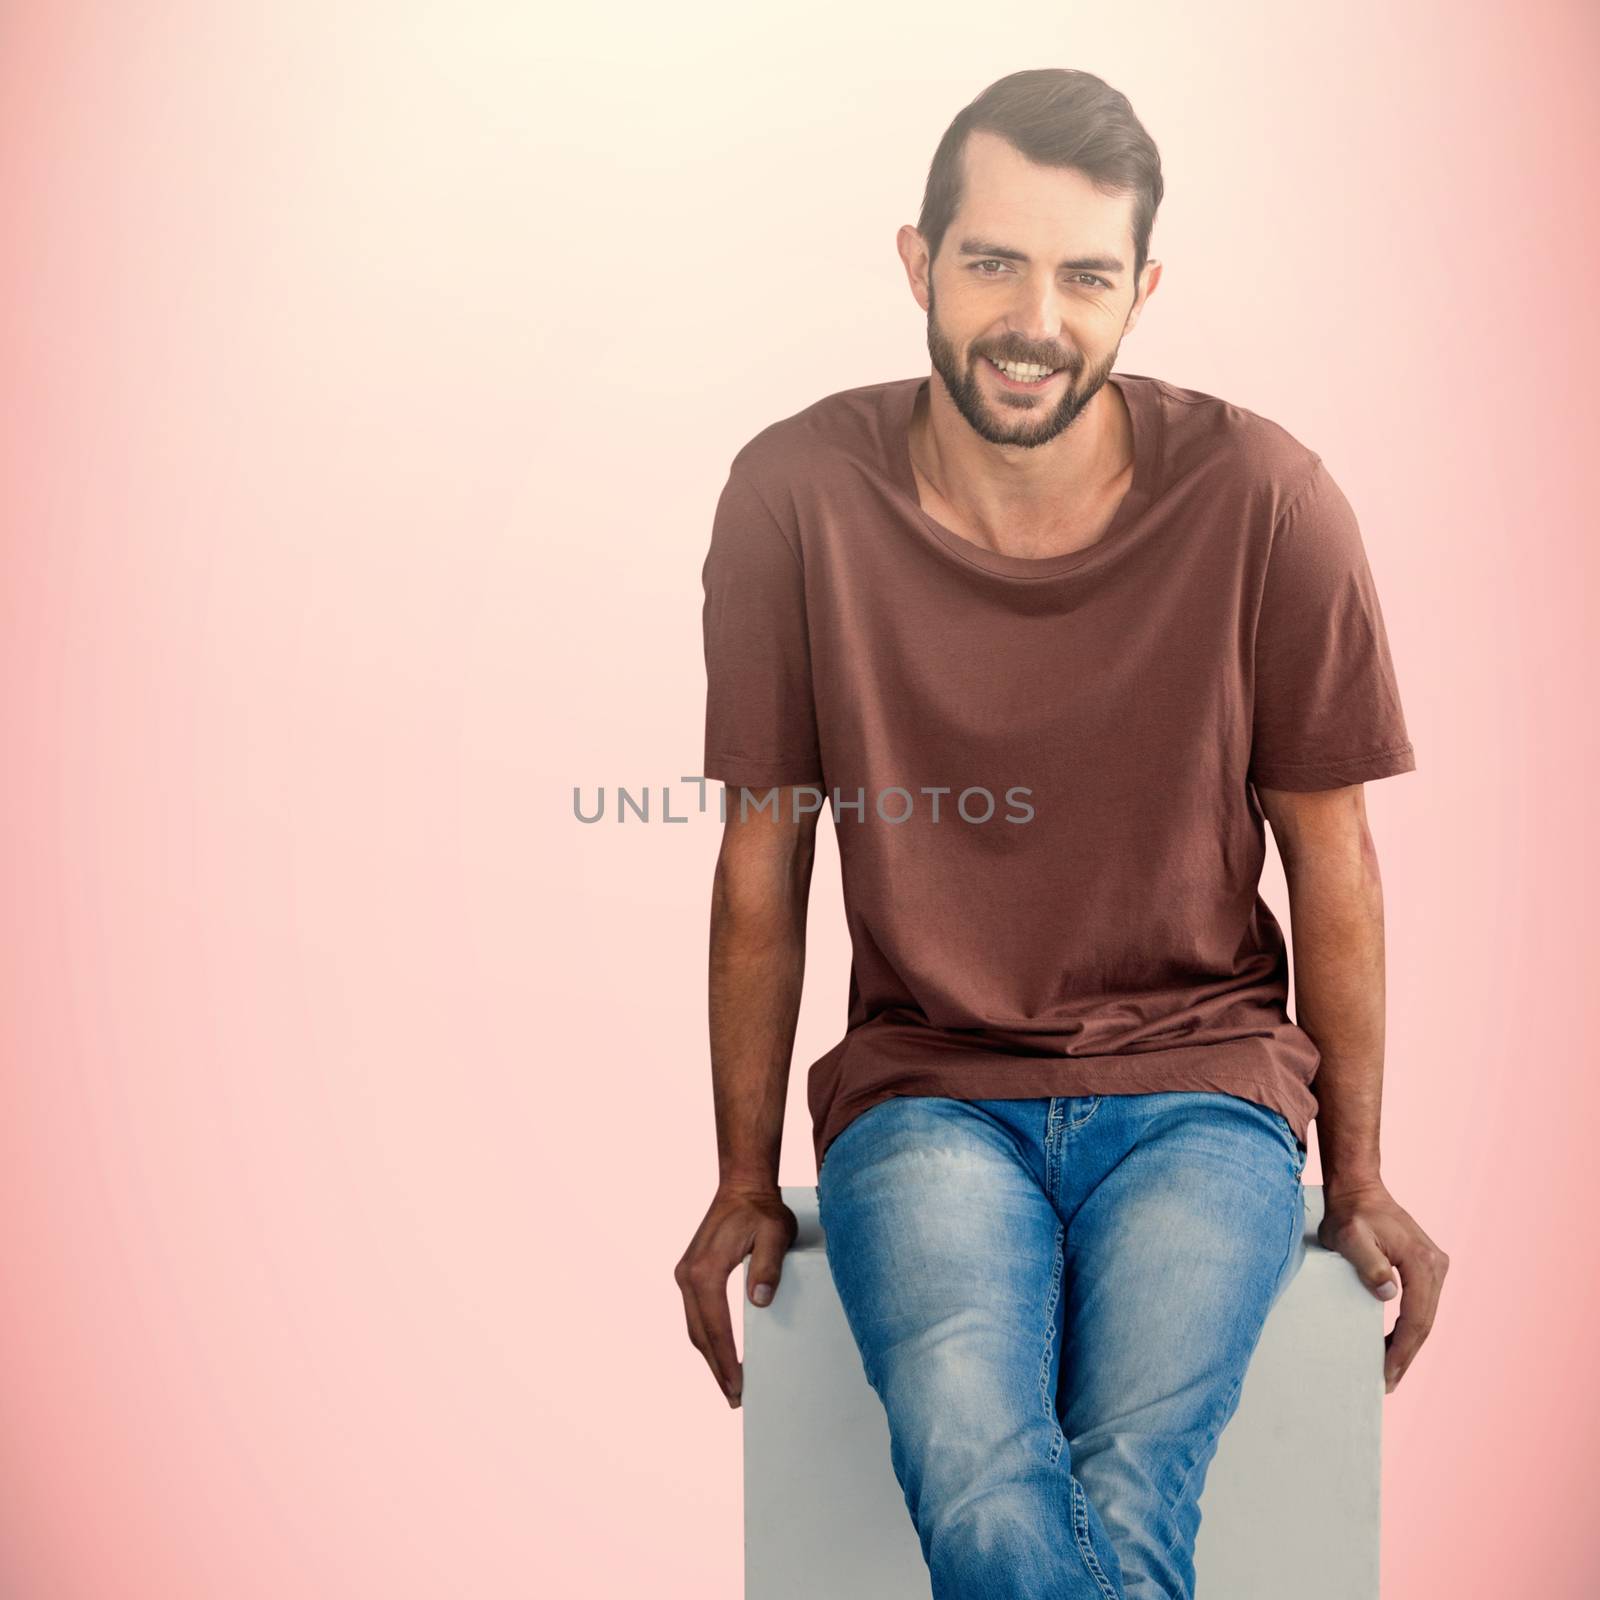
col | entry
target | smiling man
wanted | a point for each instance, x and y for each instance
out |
(1060, 1145)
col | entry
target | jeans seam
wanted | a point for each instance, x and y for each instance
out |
(1297, 1150)
(1052, 1146)
(1058, 1438)
(1204, 1455)
(1080, 1527)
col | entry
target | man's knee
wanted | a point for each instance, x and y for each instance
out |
(994, 1510)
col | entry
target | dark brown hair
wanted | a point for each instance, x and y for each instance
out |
(1056, 117)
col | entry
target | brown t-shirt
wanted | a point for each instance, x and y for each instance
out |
(1073, 909)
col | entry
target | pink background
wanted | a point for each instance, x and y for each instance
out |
(369, 375)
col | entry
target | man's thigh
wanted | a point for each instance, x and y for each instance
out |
(1184, 1216)
(947, 1254)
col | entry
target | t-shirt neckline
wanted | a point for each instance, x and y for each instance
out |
(1145, 420)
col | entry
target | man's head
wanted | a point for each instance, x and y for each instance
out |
(1033, 247)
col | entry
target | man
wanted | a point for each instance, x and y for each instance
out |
(1060, 1146)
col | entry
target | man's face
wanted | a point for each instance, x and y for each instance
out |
(1036, 267)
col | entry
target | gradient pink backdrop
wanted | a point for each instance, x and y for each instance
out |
(370, 372)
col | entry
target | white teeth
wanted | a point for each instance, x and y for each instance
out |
(1025, 372)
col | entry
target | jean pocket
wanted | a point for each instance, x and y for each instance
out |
(1297, 1150)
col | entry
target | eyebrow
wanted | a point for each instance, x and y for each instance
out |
(980, 247)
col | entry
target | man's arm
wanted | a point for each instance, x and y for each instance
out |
(1336, 911)
(757, 966)
(759, 895)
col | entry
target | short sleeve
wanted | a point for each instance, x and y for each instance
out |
(761, 728)
(1327, 709)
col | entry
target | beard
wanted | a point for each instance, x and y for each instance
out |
(1026, 421)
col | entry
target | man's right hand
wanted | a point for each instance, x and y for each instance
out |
(741, 1221)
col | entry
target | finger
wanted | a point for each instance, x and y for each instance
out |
(716, 1323)
(1424, 1279)
(1357, 1243)
(698, 1337)
(766, 1266)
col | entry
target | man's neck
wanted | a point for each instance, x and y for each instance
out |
(1037, 502)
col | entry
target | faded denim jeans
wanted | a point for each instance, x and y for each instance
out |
(1056, 1300)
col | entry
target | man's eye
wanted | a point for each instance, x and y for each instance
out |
(1089, 277)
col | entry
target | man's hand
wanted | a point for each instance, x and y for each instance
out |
(1366, 1226)
(740, 1222)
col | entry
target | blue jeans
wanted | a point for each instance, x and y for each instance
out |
(1056, 1300)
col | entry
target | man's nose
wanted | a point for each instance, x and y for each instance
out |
(1035, 318)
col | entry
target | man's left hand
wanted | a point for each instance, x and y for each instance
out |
(1366, 1225)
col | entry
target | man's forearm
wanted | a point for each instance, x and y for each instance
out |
(756, 974)
(1336, 908)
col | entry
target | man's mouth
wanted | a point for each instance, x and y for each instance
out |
(1024, 374)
